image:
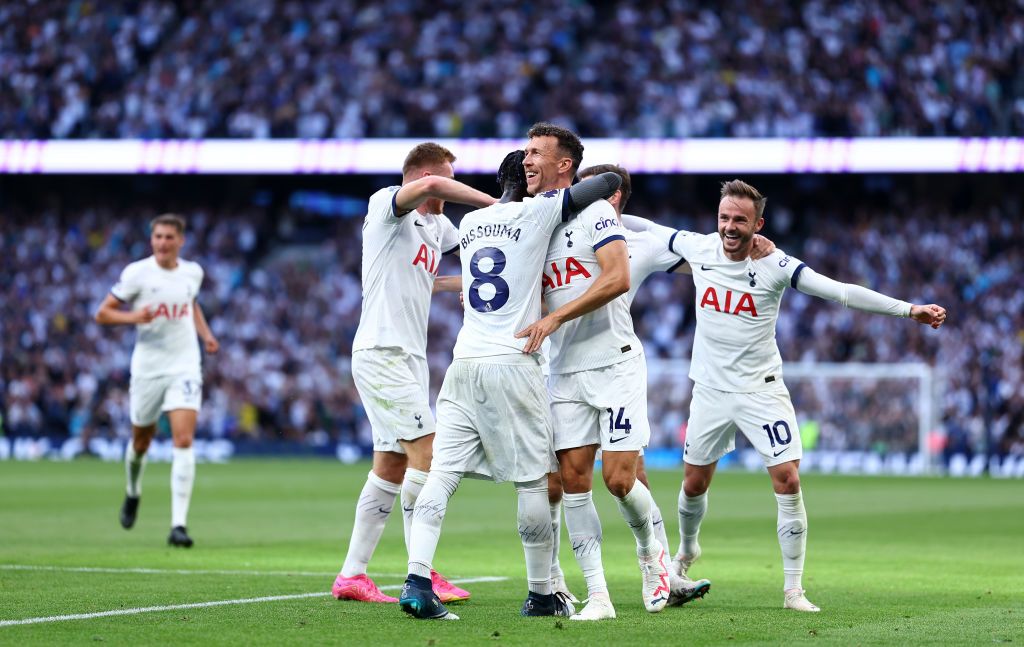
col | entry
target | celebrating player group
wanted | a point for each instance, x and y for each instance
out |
(548, 274)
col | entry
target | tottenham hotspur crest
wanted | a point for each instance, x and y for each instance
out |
(568, 238)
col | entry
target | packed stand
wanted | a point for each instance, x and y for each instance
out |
(285, 316)
(412, 68)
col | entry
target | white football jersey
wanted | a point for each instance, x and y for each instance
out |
(168, 345)
(401, 257)
(502, 248)
(737, 305)
(599, 338)
(649, 254)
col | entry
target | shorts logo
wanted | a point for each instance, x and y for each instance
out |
(419, 421)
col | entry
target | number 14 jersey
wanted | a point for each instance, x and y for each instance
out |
(502, 248)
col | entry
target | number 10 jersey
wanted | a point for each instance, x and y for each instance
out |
(502, 248)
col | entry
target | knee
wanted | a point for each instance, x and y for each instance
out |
(696, 484)
(555, 490)
(182, 442)
(574, 479)
(619, 483)
(787, 481)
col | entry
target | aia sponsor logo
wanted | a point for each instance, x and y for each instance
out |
(556, 276)
(428, 258)
(173, 312)
(728, 302)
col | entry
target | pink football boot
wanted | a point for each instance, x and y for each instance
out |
(445, 590)
(360, 588)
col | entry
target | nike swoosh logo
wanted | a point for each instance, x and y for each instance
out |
(615, 440)
(408, 509)
(778, 453)
(418, 223)
(383, 511)
(704, 268)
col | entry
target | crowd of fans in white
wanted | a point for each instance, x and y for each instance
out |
(412, 68)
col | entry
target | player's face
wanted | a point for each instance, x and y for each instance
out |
(737, 224)
(166, 242)
(543, 163)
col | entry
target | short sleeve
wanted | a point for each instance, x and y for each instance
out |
(785, 268)
(128, 287)
(600, 224)
(661, 258)
(548, 207)
(200, 275)
(381, 208)
(449, 236)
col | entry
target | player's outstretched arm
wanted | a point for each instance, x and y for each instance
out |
(860, 298)
(585, 193)
(613, 259)
(210, 342)
(447, 284)
(110, 313)
(417, 192)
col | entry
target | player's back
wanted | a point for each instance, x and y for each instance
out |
(502, 248)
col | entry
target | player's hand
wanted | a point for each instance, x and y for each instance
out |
(762, 247)
(930, 314)
(143, 316)
(211, 344)
(537, 332)
(462, 300)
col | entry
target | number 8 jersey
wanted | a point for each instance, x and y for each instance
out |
(503, 248)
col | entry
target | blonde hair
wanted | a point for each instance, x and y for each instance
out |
(426, 154)
(169, 219)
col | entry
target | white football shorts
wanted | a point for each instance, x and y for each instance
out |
(766, 418)
(148, 396)
(394, 387)
(604, 406)
(493, 420)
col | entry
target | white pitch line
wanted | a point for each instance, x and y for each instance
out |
(170, 571)
(202, 605)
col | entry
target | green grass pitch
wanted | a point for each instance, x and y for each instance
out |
(890, 561)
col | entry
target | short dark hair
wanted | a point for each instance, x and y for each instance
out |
(626, 187)
(568, 141)
(512, 173)
(426, 154)
(169, 219)
(740, 189)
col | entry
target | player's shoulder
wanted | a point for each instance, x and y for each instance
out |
(381, 201)
(140, 267)
(695, 243)
(779, 260)
(385, 193)
(190, 268)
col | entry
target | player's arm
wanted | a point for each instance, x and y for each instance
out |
(448, 284)
(860, 298)
(613, 259)
(110, 313)
(209, 341)
(417, 192)
(583, 194)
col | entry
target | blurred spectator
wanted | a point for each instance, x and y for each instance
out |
(285, 314)
(412, 68)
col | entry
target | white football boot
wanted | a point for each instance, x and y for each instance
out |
(654, 569)
(599, 607)
(795, 600)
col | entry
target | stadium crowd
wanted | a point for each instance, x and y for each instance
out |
(413, 68)
(285, 315)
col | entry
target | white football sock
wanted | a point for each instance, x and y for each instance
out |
(556, 537)
(636, 510)
(372, 511)
(431, 506)
(792, 529)
(412, 485)
(691, 512)
(584, 528)
(534, 521)
(183, 475)
(659, 526)
(134, 465)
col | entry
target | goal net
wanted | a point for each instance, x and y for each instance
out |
(854, 418)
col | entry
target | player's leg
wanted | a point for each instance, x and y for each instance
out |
(183, 473)
(710, 434)
(555, 493)
(145, 396)
(576, 466)
(657, 520)
(418, 597)
(134, 465)
(769, 422)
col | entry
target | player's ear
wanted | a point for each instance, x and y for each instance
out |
(758, 225)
